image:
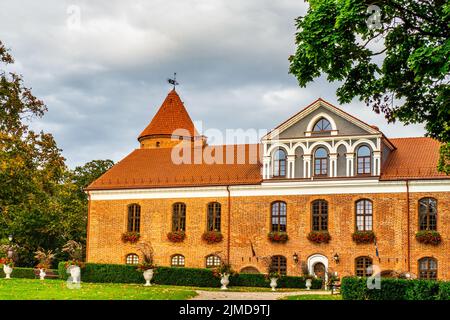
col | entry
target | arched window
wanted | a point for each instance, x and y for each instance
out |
(132, 258)
(320, 215)
(362, 265)
(363, 160)
(322, 125)
(364, 215)
(134, 217)
(212, 261)
(177, 260)
(279, 163)
(321, 162)
(179, 217)
(278, 264)
(428, 268)
(214, 212)
(249, 269)
(278, 216)
(427, 214)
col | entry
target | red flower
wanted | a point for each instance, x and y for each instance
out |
(176, 236)
(131, 237)
(319, 236)
(429, 237)
(212, 237)
(363, 236)
(276, 236)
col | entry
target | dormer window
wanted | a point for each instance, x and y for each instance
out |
(321, 162)
(322, 125)
(279, 163)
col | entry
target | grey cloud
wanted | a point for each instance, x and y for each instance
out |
(105, 80)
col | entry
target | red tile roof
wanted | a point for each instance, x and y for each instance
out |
(171, 116)
(154, 168)
(413, 158)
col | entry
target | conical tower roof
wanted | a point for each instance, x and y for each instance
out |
(170, 118)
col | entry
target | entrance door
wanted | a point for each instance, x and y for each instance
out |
(319, 270)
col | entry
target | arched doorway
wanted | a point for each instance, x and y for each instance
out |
(318, 266)
(319, 270)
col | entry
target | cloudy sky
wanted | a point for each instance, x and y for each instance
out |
(101, 67)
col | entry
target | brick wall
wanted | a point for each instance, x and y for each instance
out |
(250, 222)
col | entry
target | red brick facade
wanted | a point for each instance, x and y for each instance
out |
(246, 189)
(250, 222)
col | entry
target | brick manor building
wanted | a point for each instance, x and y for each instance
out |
(323, 179)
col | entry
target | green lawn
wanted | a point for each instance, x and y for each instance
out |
(30, 289)
(315, 297)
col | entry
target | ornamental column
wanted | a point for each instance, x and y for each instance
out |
(266, 167)
(307, 166)
(333, 164)
(376, 163)
(350, 165)
(291, 166)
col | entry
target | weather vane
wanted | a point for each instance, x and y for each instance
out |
(173, 81)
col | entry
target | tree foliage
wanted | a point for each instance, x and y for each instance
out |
(398, 65)
(42, 202)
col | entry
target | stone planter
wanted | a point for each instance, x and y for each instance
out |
(42, 274)
(273, 283)
(148, 276)
(225, 280)
(308, 284)
(75, 273)
(7, 270)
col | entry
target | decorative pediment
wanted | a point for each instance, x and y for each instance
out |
(324, 116)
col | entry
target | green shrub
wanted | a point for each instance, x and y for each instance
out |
(444, 291)
(353, 288)
(195, 277)
(422, 290)
(27, 273)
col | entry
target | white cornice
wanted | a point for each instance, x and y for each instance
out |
(277, 189)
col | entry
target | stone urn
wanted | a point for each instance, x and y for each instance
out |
(308, 284)
(7, 270)
(148, 276)
(224, 280)
(75, 273)
(273, 283)
(42, 274)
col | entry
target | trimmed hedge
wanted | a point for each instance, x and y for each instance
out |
(194, 277)
(395, 289)
(25, 273)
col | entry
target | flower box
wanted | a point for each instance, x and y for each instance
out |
(131, 237)
(211, 237)
(176, 236)
(429, 237)
(319, 236)
(280, 237)
(363, 237)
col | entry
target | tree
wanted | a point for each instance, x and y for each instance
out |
(42, 202)
(88, 173)
(407, 79)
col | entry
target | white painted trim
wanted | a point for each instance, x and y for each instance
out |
(316, 118)
(313, 187)
(318, 258)
(311, 108)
